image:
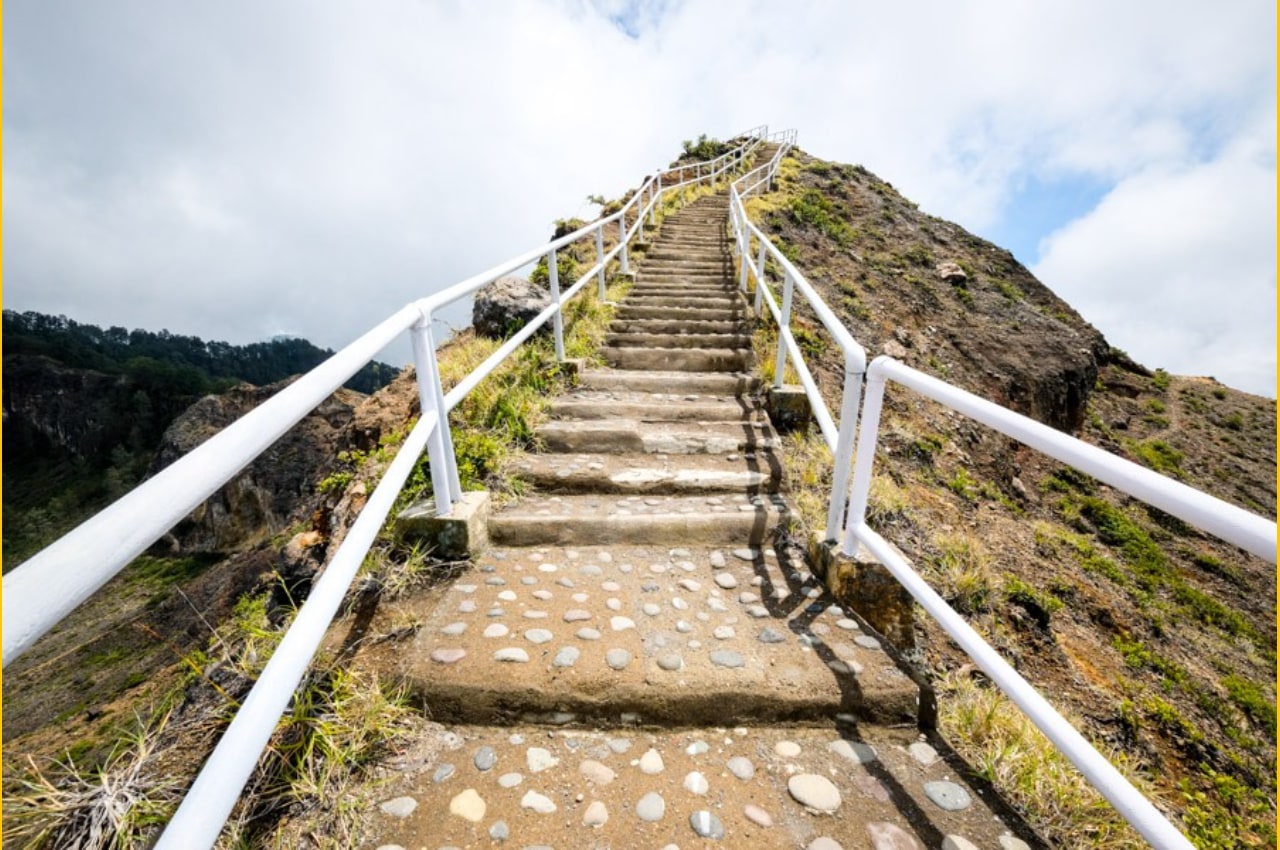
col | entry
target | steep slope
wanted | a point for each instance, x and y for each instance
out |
(1158, 638)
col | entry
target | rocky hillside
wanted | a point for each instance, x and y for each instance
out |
(272, 526)
(1158, 638)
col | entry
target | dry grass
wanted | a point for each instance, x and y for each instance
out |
(116, 805)
(998, 741)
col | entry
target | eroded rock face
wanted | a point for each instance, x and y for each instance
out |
(506, 305)
(260, 500)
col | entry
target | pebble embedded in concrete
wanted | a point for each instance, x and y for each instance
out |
(814, 791)
(651, 807)
(888, 836)
(468, 805)
(948, 795)
(651, 763)
(741, 767)
(706, 824)
(540, 759)
(539, 803)
(399, 807)
(696, 783)
(485, 758)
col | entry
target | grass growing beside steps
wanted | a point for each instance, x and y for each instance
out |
(499, 416)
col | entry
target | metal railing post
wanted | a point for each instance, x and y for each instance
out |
(784, 327)
(557, 320)
(864, 459)
(760, 279)
(439, 444)
(655, 193)
(622, 236)
(844, 447)
(600, 257)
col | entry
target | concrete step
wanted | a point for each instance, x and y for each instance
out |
(690, 284)
(718, 266)
(690, 340)
(679, 359)
(664, 251)
(648, 474)
(680, 312)
(680, 297)
(712, 383)
(684, 280)
(596, 520)
(664, 326)
(682, 437)
(653, 407)
(653, 601)
(595, 775)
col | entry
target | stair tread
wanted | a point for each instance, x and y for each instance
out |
(780, 678)
(902, 802)
(632, 473)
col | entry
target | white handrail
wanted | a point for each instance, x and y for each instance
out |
(52, 583)
(49, 585)
(1249, 531)
(212, 797)
(839, 439)
(1255, 534)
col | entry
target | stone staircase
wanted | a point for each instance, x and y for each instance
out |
(637, 662)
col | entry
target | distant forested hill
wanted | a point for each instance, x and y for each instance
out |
(189, 364)
(85, 409)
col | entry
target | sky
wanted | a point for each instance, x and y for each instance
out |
(237, 170)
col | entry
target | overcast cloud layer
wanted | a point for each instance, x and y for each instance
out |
(237, 170)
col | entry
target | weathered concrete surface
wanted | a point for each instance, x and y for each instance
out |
(598, 519)
(651, 474)
(791, 653)
(672, 437)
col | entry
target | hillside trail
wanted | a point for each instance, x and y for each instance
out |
(637, 661)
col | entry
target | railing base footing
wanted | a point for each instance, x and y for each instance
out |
(862, 584)
(463, 533)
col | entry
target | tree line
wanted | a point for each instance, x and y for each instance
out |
(185, 365)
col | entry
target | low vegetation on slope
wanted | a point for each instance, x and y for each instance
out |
(1156, 639)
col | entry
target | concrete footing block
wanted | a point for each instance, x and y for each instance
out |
(463, 533)
(789, 408)
(863, 585)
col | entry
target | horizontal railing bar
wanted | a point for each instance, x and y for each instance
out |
(1249, 531)
(210, 799)
(71, 569)
(1127, 800)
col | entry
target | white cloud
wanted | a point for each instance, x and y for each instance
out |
(233, 168)
(1178, 266)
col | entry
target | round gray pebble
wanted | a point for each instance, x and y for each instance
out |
(741, 767)
(706, 824)
(948, 795)
(618, 659)
(566, 657)
(499, 831)
(443, 772)
(651, 807)
(768, 635)
(727, 658)
(485, 758)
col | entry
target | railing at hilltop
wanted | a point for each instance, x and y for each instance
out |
(1253, 533)
(52, 583)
